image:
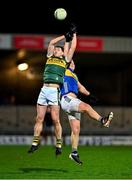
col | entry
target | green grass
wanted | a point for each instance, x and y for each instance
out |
(98, 163)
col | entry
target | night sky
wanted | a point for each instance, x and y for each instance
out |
(92, 18)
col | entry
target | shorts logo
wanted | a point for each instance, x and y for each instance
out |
(67, 99)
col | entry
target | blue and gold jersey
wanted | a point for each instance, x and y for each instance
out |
(70, 83)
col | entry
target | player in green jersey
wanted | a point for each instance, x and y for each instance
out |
(57, 59)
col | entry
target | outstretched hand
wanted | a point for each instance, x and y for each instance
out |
(68, 36)
(71, 30)
(92, 99)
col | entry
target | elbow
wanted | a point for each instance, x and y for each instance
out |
(88, 93)
(52, 42)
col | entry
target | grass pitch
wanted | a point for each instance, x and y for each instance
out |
(98, 163)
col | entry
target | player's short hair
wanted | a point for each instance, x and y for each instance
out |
(62, 48)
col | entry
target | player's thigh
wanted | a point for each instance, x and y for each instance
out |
(70, 104)
(41, 111)
(55, 111)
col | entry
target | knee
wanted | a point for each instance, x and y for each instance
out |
(56, 122)
(76, 130)
(88, 107)
(39, 119)
(85, 107)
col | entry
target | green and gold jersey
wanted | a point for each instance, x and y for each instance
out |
(54, 70)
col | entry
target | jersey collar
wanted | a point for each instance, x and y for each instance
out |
(71, 69)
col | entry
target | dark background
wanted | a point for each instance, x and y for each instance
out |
(108, 76)
(105, 18)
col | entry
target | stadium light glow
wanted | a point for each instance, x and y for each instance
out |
(21, 53)
(22, 66)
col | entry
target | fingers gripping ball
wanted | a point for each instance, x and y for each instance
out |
(60, 14)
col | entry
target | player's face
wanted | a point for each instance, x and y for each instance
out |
(58, 52)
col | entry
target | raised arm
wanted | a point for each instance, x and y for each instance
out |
(68, 38)
(52, 44)
(72, 48)
(71, 42)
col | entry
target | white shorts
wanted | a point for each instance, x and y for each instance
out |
(49, 96)
(70, 105)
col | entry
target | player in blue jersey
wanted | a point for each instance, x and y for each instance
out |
(74, 107)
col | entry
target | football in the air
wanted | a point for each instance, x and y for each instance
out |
(60, 14)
